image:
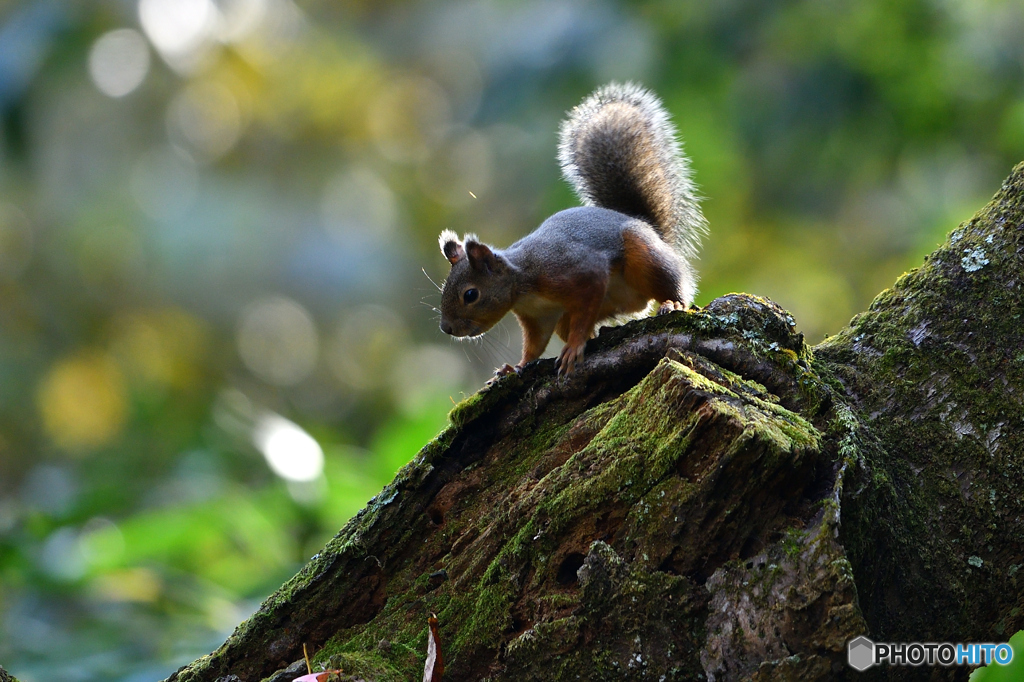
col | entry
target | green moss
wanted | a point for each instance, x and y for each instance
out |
(369, 666)
(630, 461)
(489, 619)
(377, 651)
(470, 408)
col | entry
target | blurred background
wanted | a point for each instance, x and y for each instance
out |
(216, 218)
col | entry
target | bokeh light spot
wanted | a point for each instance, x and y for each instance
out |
(178, 28)
(277, 341)
(241, 18)
(61, 556)
(160, 348)
(119, 62)
(290, 452)
(365, 346)
(82, 402)
(140, 585)
(205, 120)
(421, 374)
(101, 542)
(358, 202)
(408, 118)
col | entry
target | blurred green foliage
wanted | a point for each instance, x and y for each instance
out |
(1012, 672)
(216, 341)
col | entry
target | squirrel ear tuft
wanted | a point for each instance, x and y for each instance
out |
(451, 247)
(480, 255)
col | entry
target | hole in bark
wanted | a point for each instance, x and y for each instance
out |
(520, 624)
(436, 517)
(668, 566)
(699, 577)
(567, 571)
(751, 546)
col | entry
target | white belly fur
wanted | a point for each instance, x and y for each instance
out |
(538, 308)
(621, 299)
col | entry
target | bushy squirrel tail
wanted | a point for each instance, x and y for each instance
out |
(619, 150)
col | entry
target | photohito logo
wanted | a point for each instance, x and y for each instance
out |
(862, 653)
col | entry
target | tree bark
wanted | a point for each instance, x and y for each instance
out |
(704, 498)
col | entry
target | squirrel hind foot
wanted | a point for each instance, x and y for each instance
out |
(670, 306)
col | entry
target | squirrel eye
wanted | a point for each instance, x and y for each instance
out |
(470, 295)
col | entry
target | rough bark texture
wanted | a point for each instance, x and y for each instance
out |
(705, 498)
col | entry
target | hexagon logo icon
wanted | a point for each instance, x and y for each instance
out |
(860, 653)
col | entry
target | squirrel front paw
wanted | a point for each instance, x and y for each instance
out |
(507, 369)
(568, 358)
(504, 371)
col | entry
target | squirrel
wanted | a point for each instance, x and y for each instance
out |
(630, 243)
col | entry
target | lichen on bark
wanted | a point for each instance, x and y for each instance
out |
(936, 368)
(705, 498)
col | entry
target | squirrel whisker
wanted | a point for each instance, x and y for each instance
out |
(424, 270)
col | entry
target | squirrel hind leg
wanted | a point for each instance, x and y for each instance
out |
(656, 270)
(577, 324)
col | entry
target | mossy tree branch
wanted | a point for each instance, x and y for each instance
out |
(706, 498)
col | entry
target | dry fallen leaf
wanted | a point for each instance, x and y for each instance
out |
(434, 668)
(325, 676)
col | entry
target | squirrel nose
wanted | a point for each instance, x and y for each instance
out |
(446, 327)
